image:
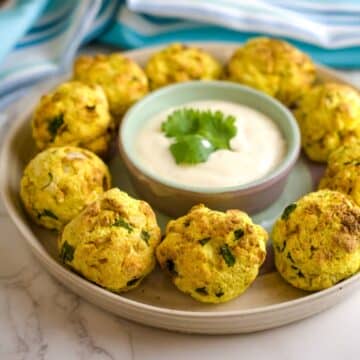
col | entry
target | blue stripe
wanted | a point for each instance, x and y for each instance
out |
(100, 28)
(46, 37)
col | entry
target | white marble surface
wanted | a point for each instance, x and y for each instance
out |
(40, 319)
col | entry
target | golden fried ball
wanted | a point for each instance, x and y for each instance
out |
(328, 116)
(123, 81)
(112, 242)
(317, 240)
(178, 63)
(73, 114)
(343, 171)
(274, 67)
(59, 182)
(211, 255)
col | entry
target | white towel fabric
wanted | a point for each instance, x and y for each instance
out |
(327, 23)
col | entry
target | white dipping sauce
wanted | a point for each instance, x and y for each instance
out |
(257, 148)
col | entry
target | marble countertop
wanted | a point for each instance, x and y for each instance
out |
(40, 319)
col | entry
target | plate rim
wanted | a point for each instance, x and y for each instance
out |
(67, 275)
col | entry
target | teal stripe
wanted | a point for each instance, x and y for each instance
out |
(125, 37)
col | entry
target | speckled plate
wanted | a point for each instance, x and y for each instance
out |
(268, 303)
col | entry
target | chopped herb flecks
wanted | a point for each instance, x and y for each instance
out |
(239, 233)
(187, 223)
(287, 211)
(170, 265)
(204, 241)
(290, 257)
(202, 291)
(145, 236)
(300, 274)
(49, 181)
(227, 255)
(67, 252)
(122, 223)
(55, 124)
(47, 213)
(219, 294)
(132, 282)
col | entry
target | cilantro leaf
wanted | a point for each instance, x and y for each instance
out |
(198, 133)
(217, 129)
(181, 122)
(191, 149)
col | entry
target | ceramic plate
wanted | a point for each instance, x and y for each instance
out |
(268, 303)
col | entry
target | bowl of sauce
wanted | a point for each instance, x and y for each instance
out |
(218, 143)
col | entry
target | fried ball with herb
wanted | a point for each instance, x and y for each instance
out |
(178, 63)
(59, 182)
(343, 171)
(328, 116)
(123, 81)
(213, 256)
(112, 242)
(274, 67)
(317, 240)
(74, 114)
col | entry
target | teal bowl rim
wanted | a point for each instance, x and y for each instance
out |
(280, 170)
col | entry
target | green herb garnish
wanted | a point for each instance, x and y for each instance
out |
(181, 122)
(170, 265)
(198, 134)
(287, 211)
(51, 178)
(239, 233)
(204, 241)
(219, 294)
(290, 257)
(145, 236)
(300, 274)
(227, 255)
(122, 223)
(67, 252)
(191, 149)
(47, 213)
(202, 291)
(55, 124)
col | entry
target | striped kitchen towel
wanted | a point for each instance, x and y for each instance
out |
(39, 38)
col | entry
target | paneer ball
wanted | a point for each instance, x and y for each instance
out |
(328, 116)
(177, 63)
(59, 182)
(274, 67)
(74, 114)
(123, 81)
(317, 240)
(112, 241)
(213, 256)
(343, 171)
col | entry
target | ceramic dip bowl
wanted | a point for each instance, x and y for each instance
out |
(176, 199)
